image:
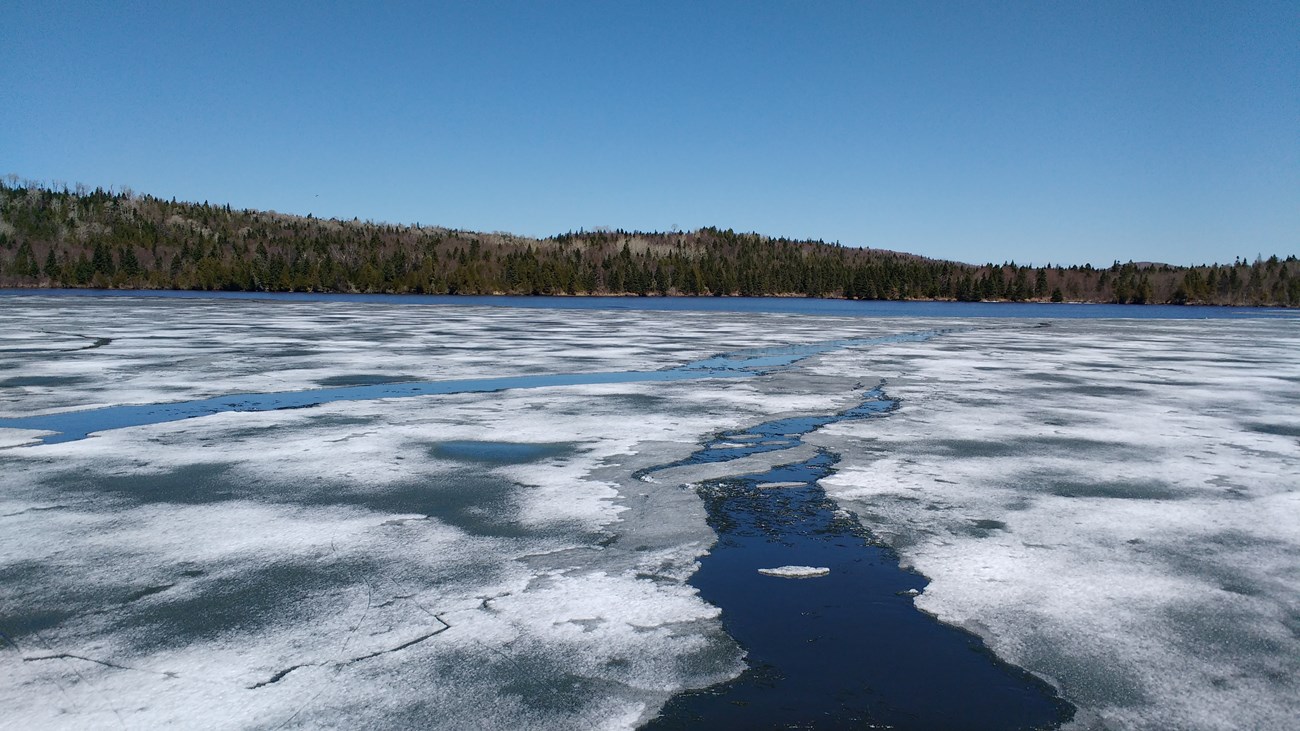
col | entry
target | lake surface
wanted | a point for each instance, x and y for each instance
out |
(848, 648)
(788, 305)
(329, 551)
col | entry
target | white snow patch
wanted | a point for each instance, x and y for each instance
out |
(20, 437)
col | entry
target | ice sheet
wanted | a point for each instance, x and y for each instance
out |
(1113, 505)
(339, 565)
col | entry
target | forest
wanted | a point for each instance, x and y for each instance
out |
(55, 236)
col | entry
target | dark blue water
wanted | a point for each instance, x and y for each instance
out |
(790, 305)
(72, 425)
(847, 650)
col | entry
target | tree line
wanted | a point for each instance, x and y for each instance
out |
(52, 236)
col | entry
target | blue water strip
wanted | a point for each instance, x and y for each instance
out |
(73, 425)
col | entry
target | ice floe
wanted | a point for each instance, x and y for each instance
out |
(796, 572)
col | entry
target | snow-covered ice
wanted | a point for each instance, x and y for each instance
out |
(359, 563)
(1111, 504)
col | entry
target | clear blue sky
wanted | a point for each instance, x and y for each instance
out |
(977, 131)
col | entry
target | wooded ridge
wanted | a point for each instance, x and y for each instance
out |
(57, 237)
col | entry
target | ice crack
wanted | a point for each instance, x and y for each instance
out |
(70, 656)
(281, 674)
(402, 646)
(98, 342)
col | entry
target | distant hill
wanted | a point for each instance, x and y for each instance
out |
(105, 239)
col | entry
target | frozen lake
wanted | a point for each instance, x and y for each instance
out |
(234, 512)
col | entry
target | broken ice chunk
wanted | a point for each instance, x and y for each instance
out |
(796, 572)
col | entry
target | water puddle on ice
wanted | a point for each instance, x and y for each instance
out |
(844, 648)
(73, 425)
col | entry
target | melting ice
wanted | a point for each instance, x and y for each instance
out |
(1110, 505)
